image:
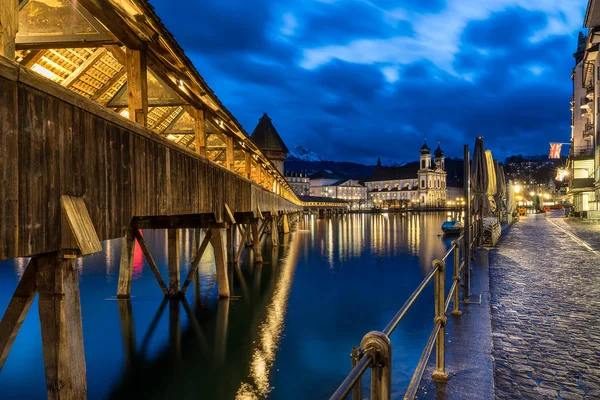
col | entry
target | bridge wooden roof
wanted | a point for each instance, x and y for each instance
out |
(82, 46)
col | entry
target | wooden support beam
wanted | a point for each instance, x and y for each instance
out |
(219, 249)
(200, 132)
(17, 310)
(230, 152)
(230, 244)
(33, 57)
(274, 229)
(162, 119)
(247, 165)
(196, 261)
(118, 53)
(173, 261)
(126, 267)
(137, 86)
(258, 258)
(107, 14)
(286, 224)
(62, 333)
(108, 85)
(242, 244)
(83, 68)
(142, 242)
(9, 26)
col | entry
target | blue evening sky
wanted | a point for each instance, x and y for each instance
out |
(359, 79)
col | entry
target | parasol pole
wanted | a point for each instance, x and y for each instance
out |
(467, 229)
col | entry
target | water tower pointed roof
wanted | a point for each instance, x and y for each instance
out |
(265, 136)
(425, 149)
(438, 152)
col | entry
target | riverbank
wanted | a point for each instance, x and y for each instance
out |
(544, 291)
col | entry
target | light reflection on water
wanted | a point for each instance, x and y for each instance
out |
(288, 336)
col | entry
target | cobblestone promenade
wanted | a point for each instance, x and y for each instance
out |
(545, 301)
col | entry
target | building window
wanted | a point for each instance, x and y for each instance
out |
(423, 183)
(422, 164)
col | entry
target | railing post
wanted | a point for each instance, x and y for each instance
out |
(456, 311)
(381, 368)
(357, 390)
(440, 374)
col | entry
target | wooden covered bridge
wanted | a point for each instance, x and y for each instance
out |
(107, 128)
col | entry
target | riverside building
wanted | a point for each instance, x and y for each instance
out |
(420, 185)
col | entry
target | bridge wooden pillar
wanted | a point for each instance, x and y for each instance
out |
(216, 241)
(137, 86)
(200, 132)
(286, 223)
(258, 258)
(60, 322)
(9, 26)
(173, 261)
(274, 229)
(126, 267)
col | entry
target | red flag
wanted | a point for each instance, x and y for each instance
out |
(555, 150)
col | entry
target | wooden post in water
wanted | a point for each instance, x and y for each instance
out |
(274, 229)
(173, 261)
(126, 266)
(258, 258)
(9, 26)
(286, 224)
(216, 240)
(62, 333)
(230, 243)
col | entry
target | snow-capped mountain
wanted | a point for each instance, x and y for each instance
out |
(301, 153)
(386, 162)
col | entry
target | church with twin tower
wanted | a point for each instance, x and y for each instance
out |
(423, 184)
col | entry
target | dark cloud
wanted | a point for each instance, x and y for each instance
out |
(217, 26)
(501, 85)
(345, 21)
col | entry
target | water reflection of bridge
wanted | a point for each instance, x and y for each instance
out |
(197, 359)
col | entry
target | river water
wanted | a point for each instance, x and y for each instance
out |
(286, 334)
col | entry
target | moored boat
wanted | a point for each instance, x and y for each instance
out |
(452, 227)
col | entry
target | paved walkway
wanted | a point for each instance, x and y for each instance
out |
(545, 302)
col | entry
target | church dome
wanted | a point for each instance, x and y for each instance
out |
(438, 152)
(425, 149)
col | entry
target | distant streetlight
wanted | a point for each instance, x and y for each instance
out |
(517, 188)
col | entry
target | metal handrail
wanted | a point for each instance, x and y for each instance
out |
(354, 376)
(375, 348)
(400, 314)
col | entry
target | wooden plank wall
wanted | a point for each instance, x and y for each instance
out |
(52, 146)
